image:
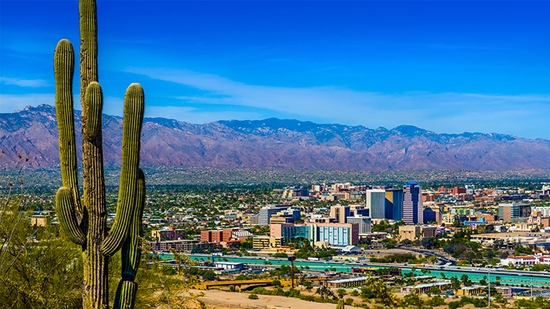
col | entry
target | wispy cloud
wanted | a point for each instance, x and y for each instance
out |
(522, 115)
(194, 115)
(221, 98)
(33, 83)
(12, 102)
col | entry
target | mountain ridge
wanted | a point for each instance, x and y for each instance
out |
(279, 144)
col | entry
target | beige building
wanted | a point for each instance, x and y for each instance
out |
(261, 242)
(415, 232)
(471, 290)
(340, 213)
(40, 220)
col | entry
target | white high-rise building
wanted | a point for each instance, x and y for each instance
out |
(376, 203)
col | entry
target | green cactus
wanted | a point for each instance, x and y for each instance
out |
(83, 219)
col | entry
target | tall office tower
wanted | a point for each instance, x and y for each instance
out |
(340, 213)
(394, 204)
(375, 201)
(413, 210)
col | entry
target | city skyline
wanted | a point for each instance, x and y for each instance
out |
(449, 67)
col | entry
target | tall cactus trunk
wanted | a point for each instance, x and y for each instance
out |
(85, 220)
(96, 283)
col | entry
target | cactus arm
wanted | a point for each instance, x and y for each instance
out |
(131, 252)
(94, 101)
(134, 103)
(67, 219)
(63, 72)
(125, 295)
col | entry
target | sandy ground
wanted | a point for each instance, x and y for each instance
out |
(226, 300)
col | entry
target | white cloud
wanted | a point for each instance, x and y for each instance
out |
(193, 115)
(522, 115)
(34, 83)
(11, 102)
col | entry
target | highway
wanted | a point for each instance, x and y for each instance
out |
(475, 274)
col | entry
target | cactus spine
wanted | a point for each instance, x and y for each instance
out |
(84, 219)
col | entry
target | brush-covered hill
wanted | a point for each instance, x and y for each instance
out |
(279, 144)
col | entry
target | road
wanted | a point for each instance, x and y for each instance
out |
(475, 273)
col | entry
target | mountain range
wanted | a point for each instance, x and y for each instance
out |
(278, 144)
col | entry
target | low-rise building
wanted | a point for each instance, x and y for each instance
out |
(335, 234)
(40, 220)
(178, 245)
(531, 239)
(168, 234)
(348, 282)
(526, 260)
(261, 242)
(416, 232)
(471, 290)
(425, 287)
(507, 212)
(229, 265)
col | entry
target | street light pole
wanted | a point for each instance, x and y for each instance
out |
(489, 288)
(292, 259)
(531, 287)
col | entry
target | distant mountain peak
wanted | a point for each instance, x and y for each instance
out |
(411, 130)
(40, 108)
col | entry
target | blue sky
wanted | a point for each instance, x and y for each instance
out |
(446, 66)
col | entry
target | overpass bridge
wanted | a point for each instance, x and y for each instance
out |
(240, 283)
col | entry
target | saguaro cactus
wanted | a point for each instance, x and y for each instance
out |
(84, 218)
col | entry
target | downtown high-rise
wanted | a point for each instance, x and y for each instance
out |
(413, 209)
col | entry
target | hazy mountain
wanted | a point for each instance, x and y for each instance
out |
(279, 144)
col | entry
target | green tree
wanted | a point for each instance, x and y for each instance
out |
(465, 280)
(341, 293)
(382, 292)
(455, 283)
(41, 272)
(324, 292)
(209, 275)
(435, 301)
(38, 268)
(413, 300)
(430, 243)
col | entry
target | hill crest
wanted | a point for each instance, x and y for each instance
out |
(280, 144)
